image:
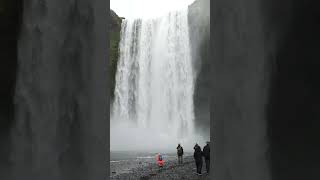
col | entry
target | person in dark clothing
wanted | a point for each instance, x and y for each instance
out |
(206, 155)
(198, 158)
(179, 153)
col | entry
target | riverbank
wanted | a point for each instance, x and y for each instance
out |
(171, 170)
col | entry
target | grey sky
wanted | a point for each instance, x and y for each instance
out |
(146, 8)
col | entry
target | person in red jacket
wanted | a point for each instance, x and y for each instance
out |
(160, 160)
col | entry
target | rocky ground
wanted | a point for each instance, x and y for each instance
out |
(171, 170)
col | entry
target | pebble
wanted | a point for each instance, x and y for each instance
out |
(171, 170)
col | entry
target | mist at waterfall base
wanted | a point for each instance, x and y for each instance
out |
(153, 108)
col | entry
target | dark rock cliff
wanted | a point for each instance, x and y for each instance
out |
(240, 84)
(60, 101)
(114, 34)
(265, 89)
(10, 20)
(294, 99)
(199, 32)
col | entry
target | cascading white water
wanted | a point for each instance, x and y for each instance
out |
(153, 106)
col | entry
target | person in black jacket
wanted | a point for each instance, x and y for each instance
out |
(206, 154)
(198, 158)
(179, 153)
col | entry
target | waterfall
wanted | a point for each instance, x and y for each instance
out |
(153, 104)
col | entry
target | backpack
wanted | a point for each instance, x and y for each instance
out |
(160, 157)
(180, 150)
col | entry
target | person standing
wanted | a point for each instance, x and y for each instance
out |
(198, 158)
(179, 153)
(206, 154)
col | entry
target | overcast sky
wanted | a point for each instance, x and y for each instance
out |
(146, 8)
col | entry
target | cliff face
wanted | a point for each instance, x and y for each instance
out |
(115, 22)
(10, 16)
(60, 99)
(199, 31)
(293, 118)
(240, 83)
(114, 34)
(265, 89)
